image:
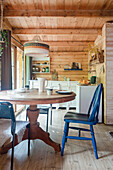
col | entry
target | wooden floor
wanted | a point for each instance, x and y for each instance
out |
(78, 155)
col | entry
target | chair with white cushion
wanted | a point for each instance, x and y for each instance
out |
(9, 128)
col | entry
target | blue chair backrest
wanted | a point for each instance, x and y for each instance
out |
(95, 104)
(7, 112)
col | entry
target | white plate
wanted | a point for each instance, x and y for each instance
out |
(63, 92)
(16, 91)
(20, 90)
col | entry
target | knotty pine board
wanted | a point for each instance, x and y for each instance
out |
(58, 60)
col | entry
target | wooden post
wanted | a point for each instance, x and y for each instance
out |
(15, 66)
(6, 70)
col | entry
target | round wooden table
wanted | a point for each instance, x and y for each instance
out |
(32, 98)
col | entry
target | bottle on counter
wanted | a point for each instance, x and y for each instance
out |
(59, 87)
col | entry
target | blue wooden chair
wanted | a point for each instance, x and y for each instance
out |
(7, 112)
(91, 118)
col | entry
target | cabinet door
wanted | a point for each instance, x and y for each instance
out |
(72, 88)
(86, 94)
(77, 98)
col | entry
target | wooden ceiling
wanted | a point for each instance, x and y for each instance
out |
(66, 25)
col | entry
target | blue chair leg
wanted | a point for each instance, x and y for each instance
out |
(64, 138)
(51, 115)
(29, 133)
(79, 133)
(26, 112)
(47, 121)
(94, 142)
(12, 156)
(26, 116)
(67, 131)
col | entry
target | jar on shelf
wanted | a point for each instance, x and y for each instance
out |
(33, 69)
(43, 69)
(47, 69)
(37, 69)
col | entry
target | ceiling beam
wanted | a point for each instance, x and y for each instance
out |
(15, 43)
(67, 43)
(34, 31)
(57, 13)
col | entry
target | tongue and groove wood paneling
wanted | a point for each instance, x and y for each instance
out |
(59, 59)
(108, 33)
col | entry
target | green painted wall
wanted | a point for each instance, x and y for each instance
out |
(27, 78)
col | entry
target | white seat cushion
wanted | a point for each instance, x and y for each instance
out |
(5, 130)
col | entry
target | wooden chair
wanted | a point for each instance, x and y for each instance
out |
(91, 118)
(45, 110)
(11, 128)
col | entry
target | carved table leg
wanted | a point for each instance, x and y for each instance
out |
(36, 131)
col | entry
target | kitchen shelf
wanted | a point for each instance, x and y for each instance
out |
(40, 63)
(91, 71)
(40, 72)
(73, 69)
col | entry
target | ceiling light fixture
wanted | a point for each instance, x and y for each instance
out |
(36, 48)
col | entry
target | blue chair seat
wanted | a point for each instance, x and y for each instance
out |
(78, 118)
(90, 118)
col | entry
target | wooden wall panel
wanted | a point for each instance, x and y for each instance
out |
(58, 60)
(108, 31)
(106, 42)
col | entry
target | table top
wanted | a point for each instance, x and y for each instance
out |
(33, 97)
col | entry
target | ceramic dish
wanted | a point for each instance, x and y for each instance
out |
(83, 84)
(63, 92)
